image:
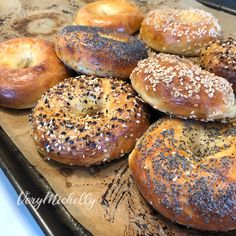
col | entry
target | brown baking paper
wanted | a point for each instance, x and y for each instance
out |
(110, 203)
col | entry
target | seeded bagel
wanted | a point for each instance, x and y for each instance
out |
(98, 51)
(219, 57)
(179, 31)
(186, 170)
(180, 88)
(88, 120)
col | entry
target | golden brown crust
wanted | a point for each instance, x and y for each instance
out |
(28, 67)
(88, 120)
(178, 31)
(119, 15)
(219, 57)
(186, 171)
(98, 51)
(176, 86)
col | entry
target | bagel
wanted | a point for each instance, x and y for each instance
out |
(178, 31)
(88, 120)
(100, 52)
(177, 87)
(122, 16)
(186, 170)
(219, 57)
(28, 67)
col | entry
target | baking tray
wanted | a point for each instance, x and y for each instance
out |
(227, 6)
(53, 219)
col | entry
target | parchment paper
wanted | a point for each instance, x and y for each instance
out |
(118, 209)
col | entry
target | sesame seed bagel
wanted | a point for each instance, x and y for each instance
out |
(88, 120)
(177, 87)
(219, 57)
(28, 67)
(186, 170)
(178, 31)
(119, 15)
(98, 51)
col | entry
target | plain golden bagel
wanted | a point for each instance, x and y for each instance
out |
(178, 87)
(186, 170)
(119, 15)
(28, 67)
(219, 57)
(178, 31)
(88, 120)
(98, 51)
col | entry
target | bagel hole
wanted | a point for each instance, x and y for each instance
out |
(91, 111)
(24, 63)
(206, 142)
(104, 12)
(199, 148)
(88, 106)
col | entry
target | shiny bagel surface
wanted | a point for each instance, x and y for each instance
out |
(187, 171)
(28, 67)
(98, 51)
(119, 15)
(87, 120)
(177, 87)
(178, 31)
(219, 57)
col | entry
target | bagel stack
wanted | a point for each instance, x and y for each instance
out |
(185, 167)
(184, 164)
(85, 120)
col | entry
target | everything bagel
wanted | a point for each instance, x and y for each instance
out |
(88, 120)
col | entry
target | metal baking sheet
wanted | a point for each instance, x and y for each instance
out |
(53, 219)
